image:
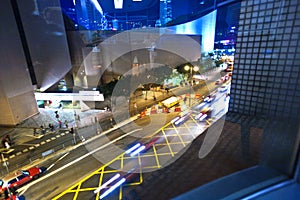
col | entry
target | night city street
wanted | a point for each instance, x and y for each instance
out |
(150, 99)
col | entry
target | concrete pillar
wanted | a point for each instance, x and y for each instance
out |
(17, 101)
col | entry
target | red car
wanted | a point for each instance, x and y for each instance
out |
(12, 196)
(13, 181)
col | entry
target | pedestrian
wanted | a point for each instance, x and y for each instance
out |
(6, 144)
(59, 123)
(76, 116)
(111, 122)
(56, 114)
(73, 134)
(51, 127)
(7, 138)
(66, 123)
(43, 131)
(184, 100)
(34, 132)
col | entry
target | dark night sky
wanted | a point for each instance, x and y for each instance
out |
(227, 16)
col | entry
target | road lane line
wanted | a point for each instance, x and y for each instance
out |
(167, 142)
(23, 189)
(156, 157)
(58, 160)
(179, 136)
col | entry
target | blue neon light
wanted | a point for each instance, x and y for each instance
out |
(198, 116)
(175, 119)
(115, 177)
(132, 148)
(203, 117)
(112, 188)
(138, 150)
(179, 121)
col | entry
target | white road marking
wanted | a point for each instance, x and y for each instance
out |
(57, 161)
(26, 187)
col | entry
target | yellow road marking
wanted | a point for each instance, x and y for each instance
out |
(189, 130)
(100, 183)
(77, 191)
(166, 138)
(120, 193)
(180, 138)
(76, 188)
(156, 157)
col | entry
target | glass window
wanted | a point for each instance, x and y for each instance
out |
(12, 181)
(265, 82)
(22, 177)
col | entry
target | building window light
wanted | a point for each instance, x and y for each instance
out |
(118, 4)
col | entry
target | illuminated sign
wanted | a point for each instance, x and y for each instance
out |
(81, 96)
(118, 4)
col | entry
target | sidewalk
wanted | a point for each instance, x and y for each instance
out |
(24, 132)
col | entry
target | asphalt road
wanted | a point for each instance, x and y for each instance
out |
(87, 158)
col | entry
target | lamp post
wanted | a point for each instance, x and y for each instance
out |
(191, 69)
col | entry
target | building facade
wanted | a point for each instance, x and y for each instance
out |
(267, 60)
(265, 85)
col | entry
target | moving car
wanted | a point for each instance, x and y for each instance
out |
(204, 114)
(223, 88)
(183, 116)
(209, 98)
(13, 181)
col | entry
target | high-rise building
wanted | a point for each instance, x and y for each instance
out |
(267, 60)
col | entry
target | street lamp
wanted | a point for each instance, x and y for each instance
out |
(191, 69)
